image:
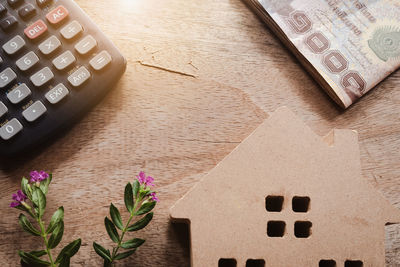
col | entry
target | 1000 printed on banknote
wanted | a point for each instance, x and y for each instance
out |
(349, 45)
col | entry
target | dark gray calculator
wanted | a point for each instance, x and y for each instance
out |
(55, 65)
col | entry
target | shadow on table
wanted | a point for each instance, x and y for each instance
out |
(181, 233)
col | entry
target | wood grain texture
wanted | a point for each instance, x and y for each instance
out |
(201, 76)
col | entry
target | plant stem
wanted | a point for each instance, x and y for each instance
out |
(44, 236)
(115, 250)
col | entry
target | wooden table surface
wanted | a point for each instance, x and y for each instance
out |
(201, 76)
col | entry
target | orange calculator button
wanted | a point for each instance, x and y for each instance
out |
(36, 29)
(57, 15)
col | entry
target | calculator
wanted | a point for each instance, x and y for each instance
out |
(55, 65)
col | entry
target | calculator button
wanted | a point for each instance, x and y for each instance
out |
(7, 23)
(36, 110)
(10, 129)
(1, 60)
(27, 61)
(6, 77)
(36, 29)
(27, 11)
(64, 60)
(19, 94)
(14, 45)
(50, 45)
(3, 10)
(85, 45)
(57, 15)
(100, 61)
(3, 109)
(71, 30)
(79, 77)
(43, 3)
(41, 77)
(14, 3)
(57, 94)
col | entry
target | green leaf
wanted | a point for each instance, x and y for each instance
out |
(146, 207)
(69, 250)
(124, 255)
(32, 259)
(65, 262)
(107, 263)
(44, 185)
(26, 188)
(133, 243)
(102, 252)
(116, 217)
(142, 223)
(128, 197)
(57, 235)
(55, 219)
(39, 199)
(27, 226)
(111, 230)
(38, 253)
(136, 187)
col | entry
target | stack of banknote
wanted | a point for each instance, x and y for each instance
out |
(348, 46)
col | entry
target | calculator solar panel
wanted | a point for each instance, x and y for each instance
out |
(55, 65)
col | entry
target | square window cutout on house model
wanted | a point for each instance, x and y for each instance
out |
(287, 197)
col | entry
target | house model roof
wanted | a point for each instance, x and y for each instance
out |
(287, 197)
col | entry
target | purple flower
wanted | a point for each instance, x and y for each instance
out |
(143, 180)
(18, 198)
(149, 181)
(38, 176)
(141, 177)
(154, 197)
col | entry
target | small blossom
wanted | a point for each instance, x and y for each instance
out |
(153, 197)
(149, 181)
(143, 180)
(141, 177)
(37, 177)
(18, 198)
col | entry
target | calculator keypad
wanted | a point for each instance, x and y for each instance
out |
(14, 3)
(7, 76)
(35, 30)
(57, 94)
(34, 111)
(49, 45)
(14, 45)
(3, 109)
(79, 77)
(64, 60)
(19, 94)
(28, 61)
(27, 11)
(100, 61)
(7, 23)
(3, 10)
(57, 15)
(86, 45)
(10, 129)
(71, 30)
(24, 50)
(43, 3)
(42, 77)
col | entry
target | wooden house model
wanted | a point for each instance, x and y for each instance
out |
(287, 197)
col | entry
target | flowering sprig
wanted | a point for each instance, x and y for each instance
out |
(35, 190)
(139, 200)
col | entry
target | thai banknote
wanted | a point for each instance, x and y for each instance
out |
(348, 45)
